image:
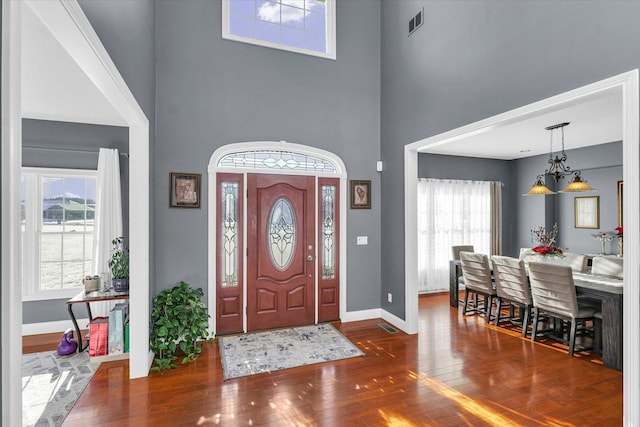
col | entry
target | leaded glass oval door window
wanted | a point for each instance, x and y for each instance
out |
(282, 233)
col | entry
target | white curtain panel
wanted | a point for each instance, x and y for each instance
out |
(450, 212)
(108, 219)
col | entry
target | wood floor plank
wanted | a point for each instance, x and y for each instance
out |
(456, 371)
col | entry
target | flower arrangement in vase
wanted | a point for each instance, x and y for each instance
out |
(546, 241)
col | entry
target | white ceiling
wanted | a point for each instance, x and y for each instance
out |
(54, 86)
(594, 120)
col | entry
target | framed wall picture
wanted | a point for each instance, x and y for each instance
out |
(360, 194)
(184, 190)
(620, 204)
(587, 212)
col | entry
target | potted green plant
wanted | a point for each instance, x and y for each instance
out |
(179, 321)
(119, 265)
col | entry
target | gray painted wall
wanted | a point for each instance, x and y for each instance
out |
(474, 59)
(127, 29)
(601, 166)
(212, 92)
(208, 92)
(470, 60)
(51, 144)
(477, 169)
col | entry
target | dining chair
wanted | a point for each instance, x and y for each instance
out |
(512, 286)
(577, 262)
(455, 251)
(610, 266)
(526, 255)
(478, 281)
(524, 252)
(554, 294)
(455, 255)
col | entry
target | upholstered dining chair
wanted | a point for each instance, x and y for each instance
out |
(455, 251)
(512, 286)
(524, 252)
(554, 294)
(610, 266)
(577, 262)
(455, 255)
(527, 254)
(478, 281)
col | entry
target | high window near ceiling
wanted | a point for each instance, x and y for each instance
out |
(58, 213)
(302, 26)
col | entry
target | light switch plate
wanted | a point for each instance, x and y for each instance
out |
(362, 240)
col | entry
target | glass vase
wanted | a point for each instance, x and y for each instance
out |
(620, 247)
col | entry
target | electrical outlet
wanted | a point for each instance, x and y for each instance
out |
(389, 297)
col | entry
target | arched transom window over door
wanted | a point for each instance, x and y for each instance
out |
(276, 238)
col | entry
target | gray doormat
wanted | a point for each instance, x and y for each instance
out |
(259, 352)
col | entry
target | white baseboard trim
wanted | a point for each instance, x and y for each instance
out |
(50, 327)
(435, 291)
(354, 316)
(375, 313)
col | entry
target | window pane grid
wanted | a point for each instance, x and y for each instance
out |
(280, 160)
(302, 26)
(328, 232)
(282, 233)
(230, 234)
(58, 214)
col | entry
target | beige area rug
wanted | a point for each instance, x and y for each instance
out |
(51, 384)
(260, 352)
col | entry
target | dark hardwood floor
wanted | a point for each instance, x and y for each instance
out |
(458, 371)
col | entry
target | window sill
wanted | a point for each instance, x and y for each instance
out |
(52, 295)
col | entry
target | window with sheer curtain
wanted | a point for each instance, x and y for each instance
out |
(453, 212)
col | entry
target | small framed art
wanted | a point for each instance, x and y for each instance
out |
(184, 190)
(587, 212)
(360, 194)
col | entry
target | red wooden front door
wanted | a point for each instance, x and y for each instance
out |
(281, 251)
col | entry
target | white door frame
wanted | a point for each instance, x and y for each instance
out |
(628, 83)
(284, 146)
(67, 22)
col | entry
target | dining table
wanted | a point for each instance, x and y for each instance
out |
(609, 290)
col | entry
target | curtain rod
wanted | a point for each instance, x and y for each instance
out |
(70, 150)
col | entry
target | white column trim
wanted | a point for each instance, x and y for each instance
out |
(631, 197)
(68, 24)
(11, 239)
